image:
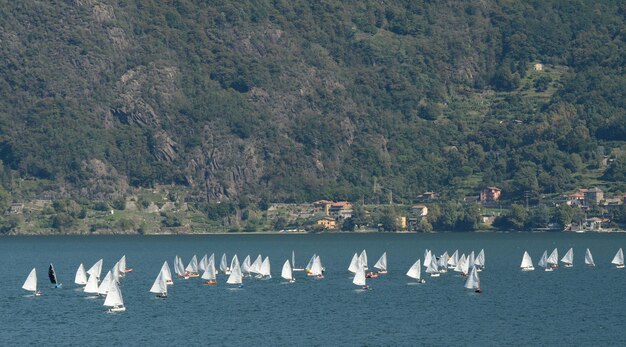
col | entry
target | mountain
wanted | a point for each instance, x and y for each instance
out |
(300, 100)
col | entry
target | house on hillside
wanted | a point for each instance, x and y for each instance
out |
(322, 206)
(538, 67)
(593, 196)
(16, 208)
(327, 223)
(490, 194)
(341, 209)
(419, 210)
(427, 196)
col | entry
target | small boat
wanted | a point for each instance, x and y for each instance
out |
(287, 273)
(363, 259)
(553, 259)
(453, 260)
(543, 262)
(568, 258)
(317, 269)
(589, 258)
(246, 265)
(159, 287)
(179, 267)
(473, 281)
(96, 269)
(293, 262)
(81, 276)
(31, 283)
(52, 275)
(618, 260)
(381, 264)
(265, 269)
(167, 273)
(106, 283)
(209, 274)
(432, 268)
(359, 278)
(415, 272)
(192, 268)
(309, 265)
(92, 285)
(235, 276)
(204, 262)
(122, 265)
(480, 261)
(459, 264)
(224, 265)
(442, 262)
(114, 299)
(256, 266)
(527, 263)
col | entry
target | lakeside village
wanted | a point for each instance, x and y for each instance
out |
(163, 211)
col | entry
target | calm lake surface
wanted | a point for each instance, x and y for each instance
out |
(579, 305)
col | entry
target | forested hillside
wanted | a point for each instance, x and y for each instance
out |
(300, 100)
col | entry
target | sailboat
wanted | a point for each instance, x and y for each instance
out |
(618, 260)
(31, 283)
(363, 259)
(114, 299)
(381, 264)
(432, 267)
(81, 275)
(568, 258)
(359, 277)
(92, 285)
(106, 284)
(209, 273)
(453, 260)
(256, 266)
(224, 265)
(527, 263)
(203, 263)
(354, 263)
(442, 262)
(122, 265)
(553, 259)
(589, 258)
(159, 287)
(415, 271)
(309, 265)
(52, 275)
(293, 262)
(179, 268)
(235, 276)
(96, 269)
(287, 272)
(265, 268)
(246, 266)
(459, 264)
(167, 273)
(316, 268)
(543, 262)
(480, 261)
(473, 281)
(192, 268)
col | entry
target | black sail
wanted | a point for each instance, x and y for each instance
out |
(52, 275)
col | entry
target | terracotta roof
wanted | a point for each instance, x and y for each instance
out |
(494, 188)
(418, 206)
(341, 204)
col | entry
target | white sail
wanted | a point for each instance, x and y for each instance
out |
(179, 268)
(453, 260)
(209, 272)
(224, 264)
(192, 267)
(359, 276)
(589, 258)
(480, 259)
(96, 269)
(619, 258)
(286, 272)
(265, 268)
(473, 281)
(246, 265)
(256, 265)
(354, 263)
(527, 262)
(467, 264)
(121, 265)
(316, 268)
(106, 284)
(310, 264)
(553, 259)
(167, 273)
(543, 262)
(31, 281)
(415, 271)
(114, 296)
(363, 259)
(432, 266)
(471, 261)
(568, 258)
(204, 262)
(381, 264)
(92, 285)
(235, 272)
(159, 286)
(115, 272)
(81, 275)
(459, 264)
(212, 261)
(427, 258)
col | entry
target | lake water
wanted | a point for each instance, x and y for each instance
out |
(579, 305)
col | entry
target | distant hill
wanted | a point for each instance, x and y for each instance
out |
(300, 100)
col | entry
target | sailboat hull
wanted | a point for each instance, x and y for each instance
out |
(619, 266)
(117, 309)
(211, 283)
(528, 269)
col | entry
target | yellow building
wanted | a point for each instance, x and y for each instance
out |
(327, 223)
